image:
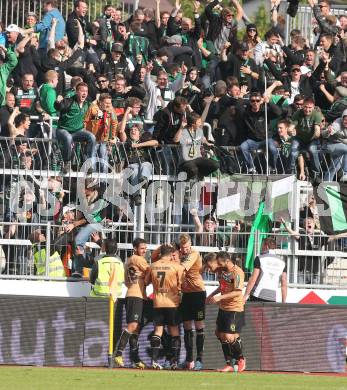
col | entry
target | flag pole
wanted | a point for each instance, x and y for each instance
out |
(111, 331)
(266, 133)
(112, 299)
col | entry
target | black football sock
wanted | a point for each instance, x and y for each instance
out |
(189, 344)
(200, 340)
(123, 341)
(236, 349)
(226, 351)
(175, 346)
(168, 348)
(155, 345)
(134, 348)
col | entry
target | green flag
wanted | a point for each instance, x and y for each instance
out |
(333, 216)
(262, 225)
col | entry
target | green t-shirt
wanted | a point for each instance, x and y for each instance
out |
(305, 124)
(72, 120)
(48, 97)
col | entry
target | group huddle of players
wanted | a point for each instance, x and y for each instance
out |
(179, 295)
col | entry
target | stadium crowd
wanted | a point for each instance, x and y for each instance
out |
(159, 91)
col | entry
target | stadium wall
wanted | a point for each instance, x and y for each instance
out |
(45, 331)
(79, 289)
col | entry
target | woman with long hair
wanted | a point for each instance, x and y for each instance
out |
(251, 37)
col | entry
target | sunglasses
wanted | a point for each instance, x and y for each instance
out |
(255, 100)
(102, 81)
(252, 29)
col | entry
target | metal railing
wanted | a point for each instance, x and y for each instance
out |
(34, 191)
(305, 21)
(16, 11)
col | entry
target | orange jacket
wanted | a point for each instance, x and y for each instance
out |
(103, 125)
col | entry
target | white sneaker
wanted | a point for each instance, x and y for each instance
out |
(156, 366)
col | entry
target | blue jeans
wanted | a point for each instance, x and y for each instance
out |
(81, 238)
(167, 159)
(101, 150)
(249, 145)
(337, 151)
(83, 235)
(66, 139)
(140, 172)
(313, 148)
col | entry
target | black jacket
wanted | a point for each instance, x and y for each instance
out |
(72, 29)
(28, 62)
(216, 23)
(109, 68)
(293, 57)
(150, 31)
(232, 68)
(193, 37)
(49, 63)
(118, 99)
(5, 113)
(253, 123)
(167, 124)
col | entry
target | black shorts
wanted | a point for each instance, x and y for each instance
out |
(166, 316)
(193, 306)
(134, 309)
(230, 321)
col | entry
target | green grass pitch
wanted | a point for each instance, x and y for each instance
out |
(27, 378)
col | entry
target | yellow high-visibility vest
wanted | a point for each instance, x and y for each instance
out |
(101, 287)
(55, 265)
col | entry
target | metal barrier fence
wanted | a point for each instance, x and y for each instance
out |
(34, 192)
(304, 21)
(16, 11)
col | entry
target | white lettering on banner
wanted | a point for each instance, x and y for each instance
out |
(61, 325)
(37, 358)
(99, 358)
(179, 193)
(247, 200)
(336, 348)
(92, 351)
(157, 200)
(1, 344)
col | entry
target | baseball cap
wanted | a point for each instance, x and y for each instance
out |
(304, 69)
(68, 207)
(118, 47)
(251, 26)
(244, 46)
(12, 28)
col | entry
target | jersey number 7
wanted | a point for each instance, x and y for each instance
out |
(161, 275)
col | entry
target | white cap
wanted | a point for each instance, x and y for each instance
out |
(12, 28)
(68, 207)
(304, 70)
